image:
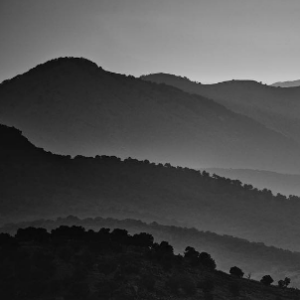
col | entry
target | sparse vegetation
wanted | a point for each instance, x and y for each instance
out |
(284, 283)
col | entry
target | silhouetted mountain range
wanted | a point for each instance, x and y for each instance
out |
(276, 108)
(38, 184)
(71, 106)
(287, 84)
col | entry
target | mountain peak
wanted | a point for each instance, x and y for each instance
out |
(69, 60)
(60, 62)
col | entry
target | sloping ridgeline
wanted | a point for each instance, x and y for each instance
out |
(276, 108)
(255, 259)
(73, 107)
(72, 263)
(35, 184)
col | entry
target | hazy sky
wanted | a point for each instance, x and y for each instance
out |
(205, 40)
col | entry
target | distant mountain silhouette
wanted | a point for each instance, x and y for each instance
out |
(287, 84)
(285, 184)
(278, 109)
(36, 184)
(72, 106)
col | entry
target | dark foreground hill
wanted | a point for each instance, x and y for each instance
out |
(276, 108)
(255, 259)
(35, 184)
(71, 106)
(71, 263)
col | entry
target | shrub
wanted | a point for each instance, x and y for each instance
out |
(191, 254)
(284, 283)
(206, 261)
(267, 280)
(143, 240)
(235, 271)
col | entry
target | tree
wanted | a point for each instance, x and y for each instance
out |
(165, 248)
(5, 238)
(267, 280)
(281, 283)
(287, 281)
(191, 254)
(66, 232)
(32, 234)
(284, 283)
(206, 261)
(235, 271)
(143, 240)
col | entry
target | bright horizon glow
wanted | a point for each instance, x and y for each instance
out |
(205, 41)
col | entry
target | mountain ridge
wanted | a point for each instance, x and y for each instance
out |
(71, 106)
(36, 183)
(276, 108)
(285, 184)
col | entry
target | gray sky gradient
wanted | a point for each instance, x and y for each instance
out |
(205, 40)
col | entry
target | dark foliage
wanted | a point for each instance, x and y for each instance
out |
(234, 289)
(267, 280)
(46, 183)
(188, 285)
(207, 285)
(71, 262)
(148, 282)
(225, 249)
(206, 261)
(284, 283)
(173, 283)
(235, 271)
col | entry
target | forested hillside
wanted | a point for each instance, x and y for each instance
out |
(285, 184)
(38, 184)
(72, 263)
(255, 259)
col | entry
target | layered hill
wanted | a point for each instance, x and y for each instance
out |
(255, 259)
(35, 184)
(286, 84)
(71, 106)
(276, 108)
(285, 184)
(72, 263)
